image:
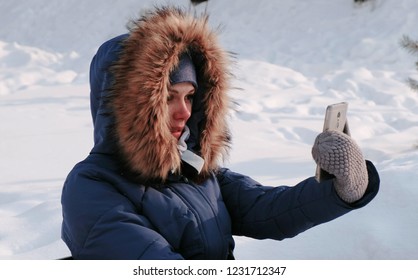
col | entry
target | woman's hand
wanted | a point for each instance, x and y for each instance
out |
(338, 154)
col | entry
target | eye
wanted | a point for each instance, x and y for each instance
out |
(190, 97)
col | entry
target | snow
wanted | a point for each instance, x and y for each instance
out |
(293, 59)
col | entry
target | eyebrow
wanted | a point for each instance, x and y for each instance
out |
(176, 91)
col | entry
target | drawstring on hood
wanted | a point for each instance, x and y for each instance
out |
(186, 155)
(137, 99)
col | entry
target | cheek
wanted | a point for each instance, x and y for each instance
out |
(171, 111)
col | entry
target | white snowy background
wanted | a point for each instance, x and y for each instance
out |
(293, 59)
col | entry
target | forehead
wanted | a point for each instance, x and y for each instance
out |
(181, 87)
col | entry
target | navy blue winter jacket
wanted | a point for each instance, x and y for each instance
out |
(130, 199)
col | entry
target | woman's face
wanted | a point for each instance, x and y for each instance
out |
(180, 98)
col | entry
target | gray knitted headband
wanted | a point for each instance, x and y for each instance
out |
(184, 72)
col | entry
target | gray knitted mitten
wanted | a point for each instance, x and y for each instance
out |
(338, 154)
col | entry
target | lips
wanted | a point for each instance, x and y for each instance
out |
(177, 131)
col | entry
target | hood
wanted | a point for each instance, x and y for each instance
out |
(136, 117)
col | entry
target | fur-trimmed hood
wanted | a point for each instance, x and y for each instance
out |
(137, 97)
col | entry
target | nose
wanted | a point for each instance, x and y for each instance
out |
(183, 110)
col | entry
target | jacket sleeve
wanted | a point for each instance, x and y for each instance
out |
(101, 223)
(282, 212)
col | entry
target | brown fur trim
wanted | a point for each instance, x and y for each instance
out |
(139, 92)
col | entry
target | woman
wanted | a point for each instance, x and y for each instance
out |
(152, 186)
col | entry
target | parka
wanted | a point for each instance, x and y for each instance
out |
(132, 197)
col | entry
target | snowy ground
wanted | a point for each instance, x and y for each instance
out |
(293, 59)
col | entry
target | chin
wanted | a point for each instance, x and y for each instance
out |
(176, 135)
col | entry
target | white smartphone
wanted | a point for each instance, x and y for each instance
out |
(335, 119)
